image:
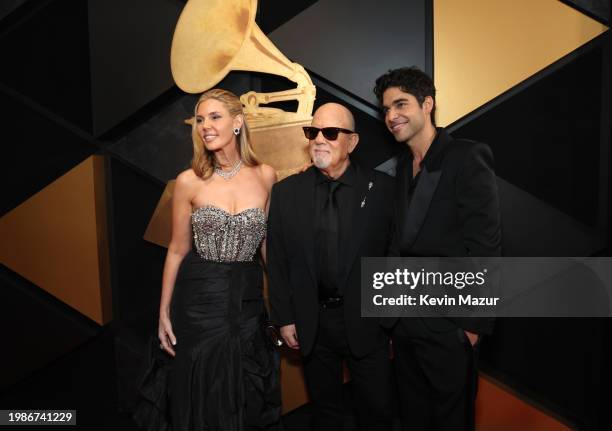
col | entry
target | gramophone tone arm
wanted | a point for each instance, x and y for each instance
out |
(255, 99)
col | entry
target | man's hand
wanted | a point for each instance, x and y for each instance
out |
(289, 334)
(472, 337)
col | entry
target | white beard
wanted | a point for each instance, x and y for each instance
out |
(321, 161)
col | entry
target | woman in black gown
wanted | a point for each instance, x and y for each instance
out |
(216, 369)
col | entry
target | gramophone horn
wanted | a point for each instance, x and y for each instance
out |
(214, 37)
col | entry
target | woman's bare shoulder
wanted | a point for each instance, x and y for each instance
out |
(268, 173)
(187, 177)
(187, 181)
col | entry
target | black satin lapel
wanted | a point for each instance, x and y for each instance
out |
(361, 209)
(389, 167)
(414, 216)
(305, 210)
(404, 174)
(402, 190)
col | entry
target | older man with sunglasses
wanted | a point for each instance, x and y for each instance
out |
(321, 222)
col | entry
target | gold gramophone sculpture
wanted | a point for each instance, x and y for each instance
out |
(214, 37)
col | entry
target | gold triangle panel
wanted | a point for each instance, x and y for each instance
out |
(293, 387)
(500, 408)
(57, 239)
(159, 230)
(482, 48)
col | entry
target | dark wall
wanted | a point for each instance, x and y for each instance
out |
(129, 53)
(45, 58)
(350, 43)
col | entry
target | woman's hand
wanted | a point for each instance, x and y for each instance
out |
(166, 336)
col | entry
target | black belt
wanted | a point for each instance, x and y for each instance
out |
(332, 302)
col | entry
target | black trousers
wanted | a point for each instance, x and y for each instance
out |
(436, 375)
(370, 378)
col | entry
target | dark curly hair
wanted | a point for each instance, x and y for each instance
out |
(411, 80)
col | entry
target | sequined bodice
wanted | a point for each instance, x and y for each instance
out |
(224, 237)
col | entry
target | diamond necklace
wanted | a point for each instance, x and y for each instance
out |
(229, 174)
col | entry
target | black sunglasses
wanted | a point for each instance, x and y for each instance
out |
(329, 133)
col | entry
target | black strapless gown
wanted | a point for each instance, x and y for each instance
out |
(225, 375)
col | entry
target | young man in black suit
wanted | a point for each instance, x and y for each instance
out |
(447, 205)
(321, 222)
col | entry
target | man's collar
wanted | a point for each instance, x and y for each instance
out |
(438, 143)
(432, 150)
(347, 178)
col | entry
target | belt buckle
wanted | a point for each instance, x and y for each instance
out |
(331, 302)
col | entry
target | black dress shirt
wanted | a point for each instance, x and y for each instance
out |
(345, 198)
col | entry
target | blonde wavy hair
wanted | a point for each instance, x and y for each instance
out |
(203, 162)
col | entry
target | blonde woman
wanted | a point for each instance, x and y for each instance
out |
(220, 370)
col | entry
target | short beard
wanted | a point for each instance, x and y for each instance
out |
(321, 162)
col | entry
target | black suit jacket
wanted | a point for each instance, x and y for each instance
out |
(453, 211)
(292, 272)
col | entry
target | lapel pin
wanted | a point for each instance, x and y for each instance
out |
(363, 202)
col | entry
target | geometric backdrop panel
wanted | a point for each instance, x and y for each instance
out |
(546, 137)
(57, 239)
(273, 13)
(598, 9)
(130, 56)
(8, 6)
(36, 150)
(483, 48)
(161, 146)
(351, 43)
(530, 227)
(137, 264)
(42, 329)
(45, 57)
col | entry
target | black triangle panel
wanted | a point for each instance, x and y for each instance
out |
(274, 13)
(45, 57)
(130, 56)
(161, 146)
(535, 357)
(137, 272)
(8, 6)
(156, 139)
(546, 138)
(83, 380)
(39, 328)
(35, 151)
(137, 264)
(596, 9)
(351, 43)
